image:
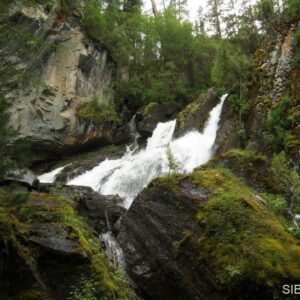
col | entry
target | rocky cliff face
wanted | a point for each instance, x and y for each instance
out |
(278, 77)
(68, 72)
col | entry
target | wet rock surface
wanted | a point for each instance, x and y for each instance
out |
(152, 114)
(101, 212)
(227, 136)
(149, 231)
(195, 115)
(77, 165)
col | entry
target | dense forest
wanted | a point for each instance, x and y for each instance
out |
(214, 187)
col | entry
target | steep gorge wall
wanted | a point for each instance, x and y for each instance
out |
(278, 77)
(69, 72)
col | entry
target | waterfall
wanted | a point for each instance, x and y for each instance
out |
(134, 135)
(51, 176)
(130, 174)
(113, 250)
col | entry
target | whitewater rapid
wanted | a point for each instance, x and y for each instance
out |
(130, 174)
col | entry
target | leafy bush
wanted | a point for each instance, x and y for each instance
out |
(277, 135)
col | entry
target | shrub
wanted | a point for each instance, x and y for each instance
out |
(277, 135)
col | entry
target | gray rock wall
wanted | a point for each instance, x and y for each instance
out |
(65, 76)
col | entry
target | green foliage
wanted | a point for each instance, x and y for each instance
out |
(287, 179)
(148, 109)
(67, 6)
(93, 20)
(232, 69)
(278, 136)
(98, 111)
(172, 163)
(233, 271)
(275, 203)
(292, 8)
(265, 12)
(177, 245)
(86, 291)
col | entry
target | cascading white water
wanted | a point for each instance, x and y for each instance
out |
(50, 176)
(128, 175)
(113, 250)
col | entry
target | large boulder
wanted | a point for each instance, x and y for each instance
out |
(206, 236)
(195, 115)
(101, 212)
(228, 132)
(148, 117)
(48, 252)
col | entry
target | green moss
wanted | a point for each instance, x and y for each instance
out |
(110, 149)
(148, 109)
(190, 110)
(239, 238)
(97, 111)
(240, 233)
(253, 167)
(104, 280)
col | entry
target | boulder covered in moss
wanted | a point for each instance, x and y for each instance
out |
(254, 168)
(206, 236)
(195, 115)
(47, 251)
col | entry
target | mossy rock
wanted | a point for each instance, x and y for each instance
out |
(148, 109)
(49, 246)
(254, 168)
(194, 115)
(241, 235)
(98, 112)
(211, 236)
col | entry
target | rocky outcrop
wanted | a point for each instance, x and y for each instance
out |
(101, 212)
(47, 251)
(277, 65)
(205, 236)
(278, 78)
(68, 72)
(148, 117)
(78, 164)
(195, 115)
(227, 136)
